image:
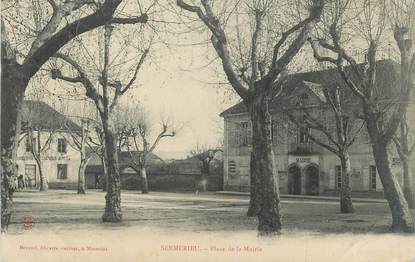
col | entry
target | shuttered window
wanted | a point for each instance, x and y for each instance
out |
(62, 171)
(338, 177)
(373, 174)
(231, 168)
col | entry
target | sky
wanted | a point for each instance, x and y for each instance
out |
(177, 81)
(183, 88)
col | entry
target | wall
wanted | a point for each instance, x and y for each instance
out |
(360, 153)
(182, 176)
(170, 182)
(50, 159)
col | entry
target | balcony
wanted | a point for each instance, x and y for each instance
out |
(303, 149)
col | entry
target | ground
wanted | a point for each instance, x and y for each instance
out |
(157, 226)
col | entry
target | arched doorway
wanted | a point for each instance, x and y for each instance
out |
(294, 184)
(312, 180)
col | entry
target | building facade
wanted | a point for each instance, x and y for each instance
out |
(51, 132)
(303, 166)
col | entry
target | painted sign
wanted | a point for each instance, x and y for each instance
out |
(303, 161)
(45, 158)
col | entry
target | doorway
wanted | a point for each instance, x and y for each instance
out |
(313, 180)
(31, 178)
(294, 186)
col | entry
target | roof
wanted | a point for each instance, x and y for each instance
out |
(125, 156)
(297, 83)
(41, 116)
(217, 156)
(95, 164)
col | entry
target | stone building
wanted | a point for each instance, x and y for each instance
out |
(303, 166)
(59, 160)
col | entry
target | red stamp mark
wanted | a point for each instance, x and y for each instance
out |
(27, 222)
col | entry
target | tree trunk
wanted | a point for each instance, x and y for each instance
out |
(407, 183)
(204, 175)
(346, 204)
(12, 93)
(144, 182)
(404, 153)
(402, 220)
(265, 170)
(81, 177)
(112, 211)
(104, 181)
(43, 181)
(253, 200)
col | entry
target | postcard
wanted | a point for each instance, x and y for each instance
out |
(202, 130)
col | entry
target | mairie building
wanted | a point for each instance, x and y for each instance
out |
(303, 166)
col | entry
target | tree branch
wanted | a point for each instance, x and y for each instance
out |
(219, 42)
(313, 124)
(317, 55)
(331, 149)
(60, 11)
(100, 17)
(254, 47)
(162, 134)
(83, 78)
(398, 147)
(129, 20)
(137, 69)
(279, 64)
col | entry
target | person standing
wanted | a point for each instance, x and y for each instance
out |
(20, 182)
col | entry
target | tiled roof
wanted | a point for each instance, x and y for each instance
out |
(40, 115)
(124, 157)
(385, 74)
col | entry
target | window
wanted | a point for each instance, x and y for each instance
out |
(303, 133)
(303, 99)
(231, 168)
(61, 145)
(62, 171)
(338, 176)
(244, 138)
(373, 173)
(28, 144)
(30, 173)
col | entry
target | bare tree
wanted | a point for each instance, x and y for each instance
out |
(338, 109)
(80, 141)
(401, 18)
(85, 137)
(205, 154)
(405, 149)
(257, 80)
(26, 46)
(97, 146)
(105, 101)
(382, 115)
(38, 136)
(136, 133)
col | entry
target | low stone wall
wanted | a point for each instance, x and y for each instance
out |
(180, 176)
(170, 182)
(357, 194)
(237, 188)
(63, 185)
